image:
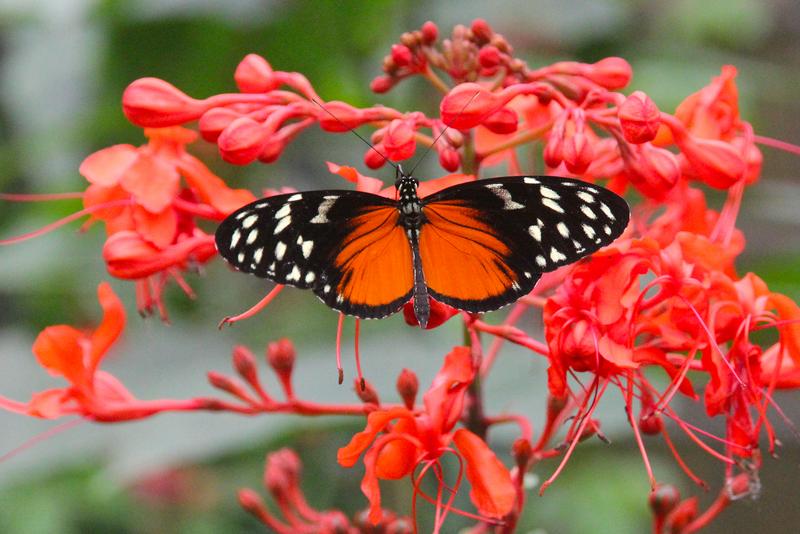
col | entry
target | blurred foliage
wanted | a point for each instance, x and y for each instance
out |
(675, 47)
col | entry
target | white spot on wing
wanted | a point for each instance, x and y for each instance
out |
(605, 209)
(493, 186)
(607, 229)
(240, 257)
(555, 255)
(531, 180)
(294, 197)
(257, 254)
(241, 215)
(553, 205)
(285, 210)
(548, 193)
(540, 261)
(310, 277)
(283, 223)
(588, 230)
(527, 274)
(326, 289)
(505, 196)
(235, 238)
(562, 229)
(307, 247)
(294, 276)
(535, 232)
(251, 237)
(280, 250)
(249, 221)
(586, 197)
(322, 210)
(588, 212)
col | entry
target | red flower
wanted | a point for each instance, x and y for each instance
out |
(75, 356)
(421, 437)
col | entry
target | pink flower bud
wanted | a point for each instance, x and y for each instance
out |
(716, 163)
(151, 102)
(281, 356)
(214, 121)
(639, 118)
(611, 73)
(578, 153)
(407, 387)
(373, 158)
(242, 141)
(245, 363)
(399, 141)
(225, 383)
(254, 75)
(282, 473)
(502, 121)
(381, 84)
(467, 105)
(489, 57)
(430, 32)
(449, 159)
(401, 55)
(481, 30)
(522, 450)
(251, 502)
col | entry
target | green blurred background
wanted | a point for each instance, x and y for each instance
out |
(63, 66)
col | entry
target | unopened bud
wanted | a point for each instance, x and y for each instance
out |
(489, 57)
(245, 363)
(407, 387)
(242, 141)
(251, 501)
(450, 160)
(682, 515)
(254, 75)
(154, 103)
(522, 450)
(481, 31)
(664, 499)
(502, 121)
(611, 73)
(639, 118)
(366, 392)
(430, 32)
(281, 356)
(381, 84)
(401, 55)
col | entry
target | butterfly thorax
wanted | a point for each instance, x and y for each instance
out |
(409, 205)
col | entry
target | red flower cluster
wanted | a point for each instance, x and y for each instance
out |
(666, 295)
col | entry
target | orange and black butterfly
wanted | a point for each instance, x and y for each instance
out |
(476, 246)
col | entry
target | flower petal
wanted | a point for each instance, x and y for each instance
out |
(157, 228)
(153, 183)
(363, 183)
(790, 334)
(60, 350)
(111, 327)
(398, 457)
(106, 167)
(492, 490)
(445, 398)
(376, 422)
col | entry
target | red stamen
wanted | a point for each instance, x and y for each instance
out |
(339, 327)
(637, 435)
(254, 310)
(777, 143)
(66, 220)
(39, 197)
(50, 432)
(361, 381)
(697, 480)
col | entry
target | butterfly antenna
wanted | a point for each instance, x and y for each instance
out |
(446, 126)
(340, 121)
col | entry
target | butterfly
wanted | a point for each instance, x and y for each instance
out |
(476, 246)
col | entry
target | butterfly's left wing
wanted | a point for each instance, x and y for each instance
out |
(346, 246)
(485, 243)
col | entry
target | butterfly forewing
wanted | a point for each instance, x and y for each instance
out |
(486, 242)
(346, 246)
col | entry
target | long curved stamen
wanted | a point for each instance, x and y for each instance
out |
(39, 197)
(66, 220)
(50, 432)
(339, 327)
(260, 305)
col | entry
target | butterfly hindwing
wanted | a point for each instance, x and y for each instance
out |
(346, 246)
(486, 243)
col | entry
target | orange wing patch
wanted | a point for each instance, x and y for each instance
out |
(375, 259)
(461, 257)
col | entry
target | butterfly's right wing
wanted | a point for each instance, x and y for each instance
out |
(346, 246)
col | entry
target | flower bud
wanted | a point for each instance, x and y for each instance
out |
(373, 158)
(639, 118)
(281, 356)
(251, 501)
(407, 387)
(242, 141)
(611, 73)
(467, 105)
(282, 472)
(489, 57)
(254, 75)
(430, 32)
(449, 159)
(578, 153)
(716, 163)
(401, 55)
(502, 121)
(225, 383)
(151, 102)
(682, 515)
(651, 424)
(659, 170)
(381, 84)
(481, 31)
(214, 121)
(399, 141)
(245, 363)
(522, 450)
